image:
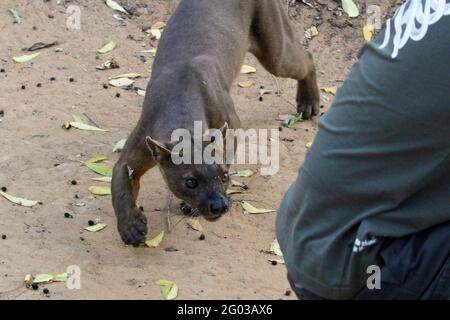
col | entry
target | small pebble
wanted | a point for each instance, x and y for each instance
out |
(81, 238)
(4, 189)
(117, 95)
(35, 286)
(288, 293)
(68, 215)
(274, 262)
(34, 28)
(2, 70)
(24, 87)
(91, 223)
(73, 182)
(46, 291)
(141, 208)
(71, 79)
(39, 85)
(52, 78)
(105, 86)
(4, 236)
(202, 237)
(261, 98)
(2, 113)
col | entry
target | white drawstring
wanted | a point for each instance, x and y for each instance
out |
(415, 16)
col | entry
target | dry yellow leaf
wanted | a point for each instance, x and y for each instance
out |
(368, 31)
(246, 69)
(246, 84)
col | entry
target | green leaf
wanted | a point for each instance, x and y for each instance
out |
(100, 191)
(96, 227)
(119, 145)
(102, 179)
(16, 16)
(26, 58)
(249, 209)
(293, 120)
(97, 158)
(42, 278)
(350, 7)
(99, 168)
(243, 174)
(275, 248)
(19, 201)
(169, 289)
(108, 47)
(83, 126)
(156, 241)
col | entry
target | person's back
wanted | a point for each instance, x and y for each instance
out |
(379, 168)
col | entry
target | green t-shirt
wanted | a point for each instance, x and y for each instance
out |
(380, 164)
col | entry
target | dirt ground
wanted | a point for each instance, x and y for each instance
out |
(39, 159)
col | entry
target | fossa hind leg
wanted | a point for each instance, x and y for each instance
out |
(273, 42)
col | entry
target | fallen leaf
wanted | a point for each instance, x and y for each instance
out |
(141, 92)
(115, 6)
(77, 119)
(312, 32)
(102, 179)
(246, 69)
(48, 278)
(155, 33)
(119, 145)
(350, 8)
(110, 64)
(195, 224)
(158, 25)
(246, 84)
(131, 75)
(234, 190)
(100, 191)
(19, 201)
(243, 173)
(308, 145)
(83, 126)
(41, 45)
(96, 227)
(42, 278)
(368, 31)
(121, 82)
(108, 47)
(275, 248)
(249, 209)
(16, 16)
(26, 58)
(292, 120)
(156, 241)
(97, 158)
(169, 289)
(330, 90)
(99, 168)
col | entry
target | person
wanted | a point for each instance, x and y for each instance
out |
(368, 216)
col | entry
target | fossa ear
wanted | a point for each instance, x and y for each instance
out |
(157, 148)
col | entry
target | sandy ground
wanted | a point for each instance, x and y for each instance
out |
(38, 158)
